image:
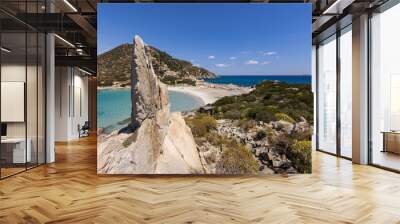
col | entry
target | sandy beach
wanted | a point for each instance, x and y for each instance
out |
(205, 92)
(209, 93)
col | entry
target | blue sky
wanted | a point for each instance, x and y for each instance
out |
(228, 39)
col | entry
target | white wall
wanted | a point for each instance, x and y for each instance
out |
(80, 110)
(12, 73)
(33, 126)
(70, 84)
(62, 81)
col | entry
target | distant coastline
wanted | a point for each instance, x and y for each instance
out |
(251, 80)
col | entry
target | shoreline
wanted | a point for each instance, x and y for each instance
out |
(204, 92)
(196, 97)
(112, 87)
(209, 92)
(202, 98)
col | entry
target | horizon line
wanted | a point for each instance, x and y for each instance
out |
(269, 75)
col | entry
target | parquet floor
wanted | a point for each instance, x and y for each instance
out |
(69, 191)
(11, 170)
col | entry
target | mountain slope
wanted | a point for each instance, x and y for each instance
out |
(114, 67)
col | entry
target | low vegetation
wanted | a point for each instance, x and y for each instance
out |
(270, 126)
(246, 124)
(284, 117)
(173, 80)
(236, 159)
(297, 151)
(164, 63)
(201, 124)
(128, 141)
(270, 101)
(300, 155)
(261, 134)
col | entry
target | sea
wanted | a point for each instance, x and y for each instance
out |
(251, 80)
(114, 105)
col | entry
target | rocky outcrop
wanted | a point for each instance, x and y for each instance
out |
(270, 159)
(179, 153)
(155, 141)
(148, 95)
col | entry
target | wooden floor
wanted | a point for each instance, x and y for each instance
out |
(387, 159)
(5, 172)
(69, 191)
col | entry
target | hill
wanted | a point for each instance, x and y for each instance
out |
(114, 67)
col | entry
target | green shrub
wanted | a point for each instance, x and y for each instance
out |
(281, 142)
(236, 159)
(265, 116)
(128, 141)
(201, 124)
(229, 107)
(187, 81)
(261, 134)
(232, 114)
(251, 113)
(246, 124)
(272, 108)
(168, 79)
(213, 139)
(300, 155)
(284, 117)
(260, 113)
(218, 140)
(225, 100)
(302, 135)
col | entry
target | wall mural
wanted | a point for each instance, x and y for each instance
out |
(204, 89)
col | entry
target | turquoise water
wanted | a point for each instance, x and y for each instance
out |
(251, 80)
(183, 102)
(114, 106)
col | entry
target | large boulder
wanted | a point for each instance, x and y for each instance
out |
(130, 153)
(179, 153)
(154, 141)
(283, 126)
